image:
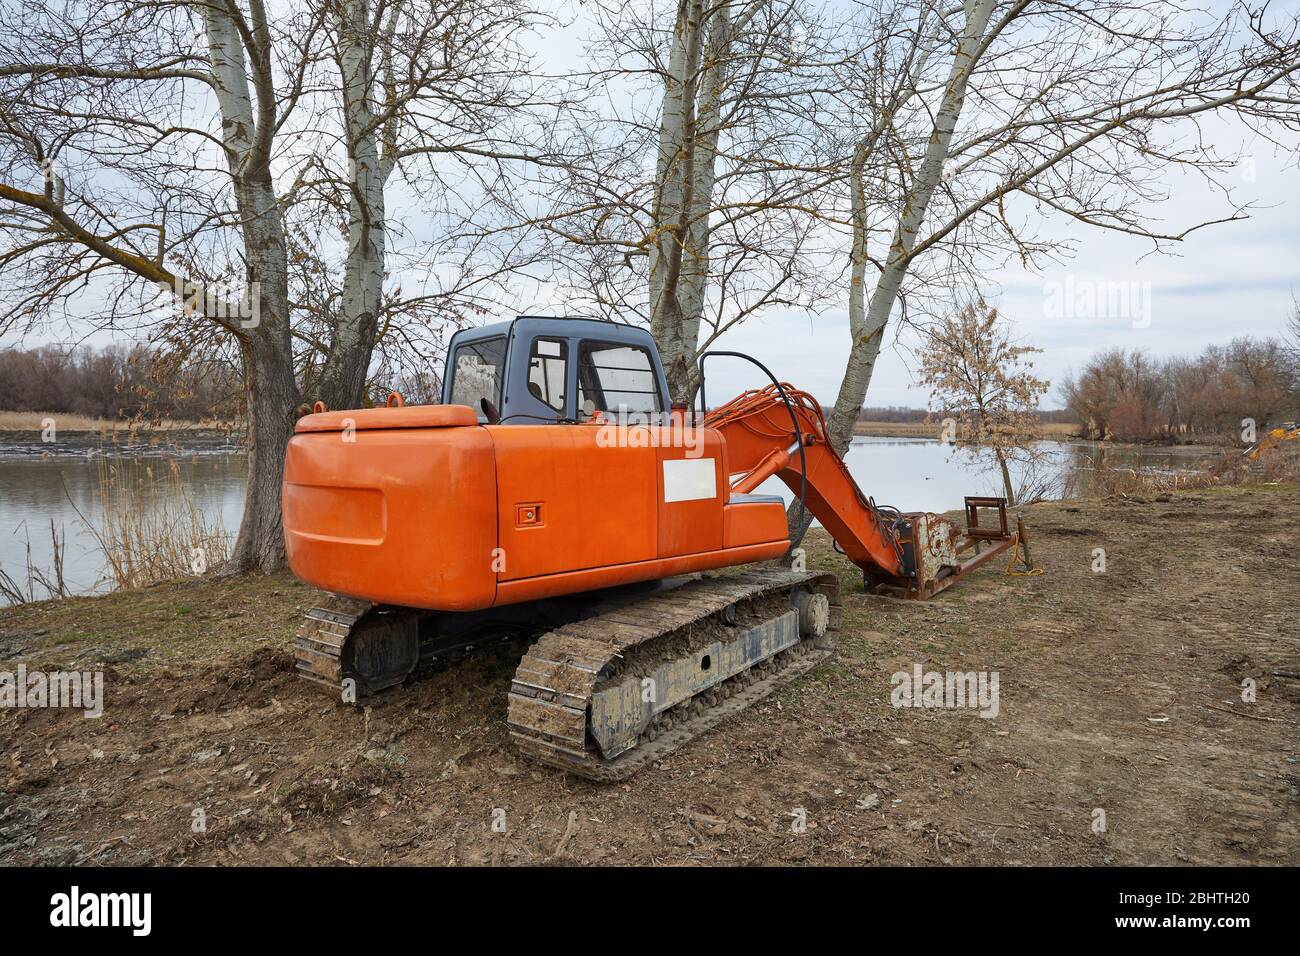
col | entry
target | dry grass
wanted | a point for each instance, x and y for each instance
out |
(1048, 431)
(179, 621)
(151, 529)
(66, 422)
(1233, 468)
(1131, 483)
(37, 579)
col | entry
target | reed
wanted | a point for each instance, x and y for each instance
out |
(11, 421)
(38, 583)
(150, 528)
(1232, 468)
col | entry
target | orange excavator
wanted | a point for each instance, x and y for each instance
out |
(1285, 432)
(555, 496)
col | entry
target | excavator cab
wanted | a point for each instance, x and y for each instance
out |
(536, 370)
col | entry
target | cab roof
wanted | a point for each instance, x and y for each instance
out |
(560, 326)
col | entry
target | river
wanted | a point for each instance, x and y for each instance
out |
(63, 483)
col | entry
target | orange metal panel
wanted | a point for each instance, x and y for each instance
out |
(334, 513)
(408, 416)
(461, 518)
(753, 523)
(594, 500)
(573, 582)
(694, 524)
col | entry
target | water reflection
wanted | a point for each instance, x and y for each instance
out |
(34, 491)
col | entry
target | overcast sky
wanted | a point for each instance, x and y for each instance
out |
(1240, 278)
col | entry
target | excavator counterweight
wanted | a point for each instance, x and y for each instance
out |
(557, 498)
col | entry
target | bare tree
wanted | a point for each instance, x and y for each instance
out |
(1291, 338)
(98, 110)
(685, 198)
(984, 382)
(436, 92)
(201, 146)
(1115, 385)
(1129, 396)
(1293, 332)
(981, 119)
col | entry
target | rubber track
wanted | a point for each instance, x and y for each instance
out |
(552, 689)
(318, 645)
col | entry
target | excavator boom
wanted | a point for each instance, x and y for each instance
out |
(761, 442)
(917, 554)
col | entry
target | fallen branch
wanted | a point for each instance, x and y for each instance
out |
(569, 830)
(1237, 713)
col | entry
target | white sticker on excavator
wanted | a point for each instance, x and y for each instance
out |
(690, 479)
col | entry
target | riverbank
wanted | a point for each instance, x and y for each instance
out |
(25, 435)
(121, 442)
(1054, 431)
(1120, 691)
(26, 423)
(1050, 431)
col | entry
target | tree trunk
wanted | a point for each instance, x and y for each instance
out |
(343, 376)
(265, 345)
(272, 400)
(868, 330)
(1007, 486)
(271, 391)
(675, 182)
(352, 345)
(693, 286)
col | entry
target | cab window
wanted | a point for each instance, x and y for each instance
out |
(617, 377)
(548, 370)
(476, 373)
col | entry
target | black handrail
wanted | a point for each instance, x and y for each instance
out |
(789, 406)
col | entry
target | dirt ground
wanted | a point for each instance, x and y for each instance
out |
(1120, 691)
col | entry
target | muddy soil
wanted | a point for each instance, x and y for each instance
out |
(1120, 703)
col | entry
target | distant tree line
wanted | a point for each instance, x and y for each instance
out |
(1130, 396)
(118, 382)
(891, 413)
